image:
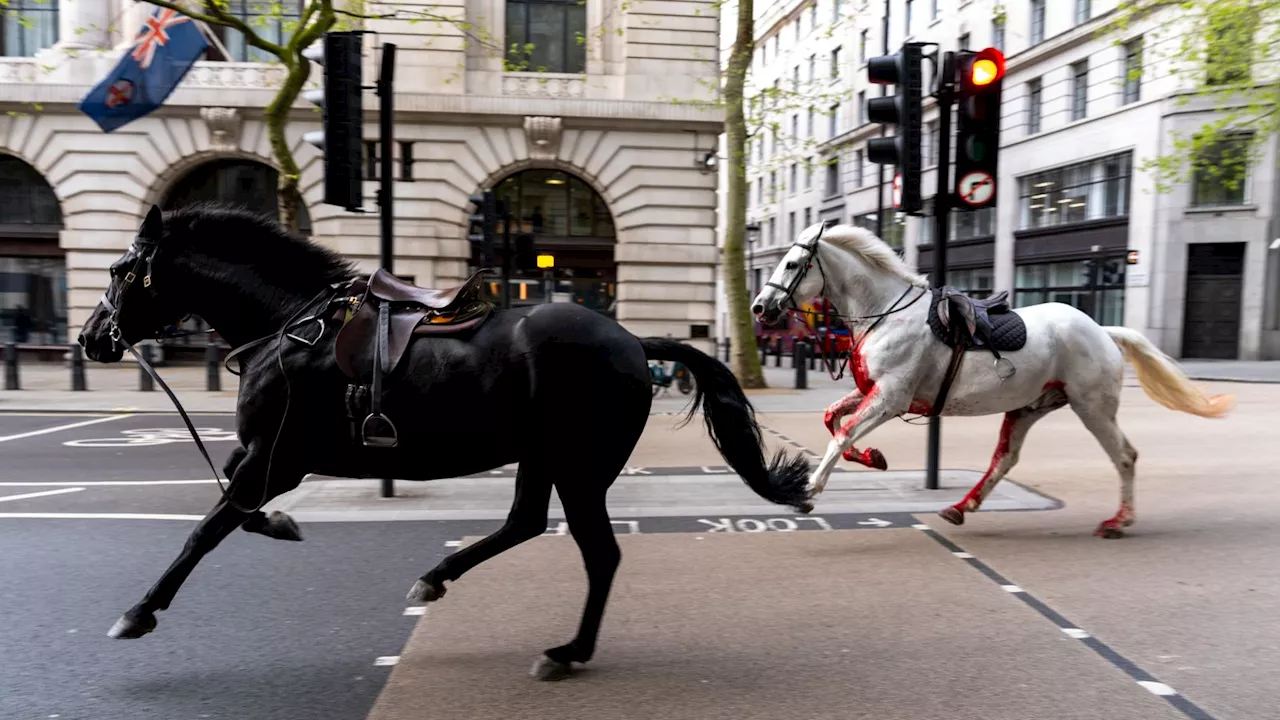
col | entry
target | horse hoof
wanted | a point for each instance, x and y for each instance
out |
(423, 592)
(803, 508)
(877, 460)
(952, 515)
(132, 625)
(282, 527)
(548, 670)
(1109, 532)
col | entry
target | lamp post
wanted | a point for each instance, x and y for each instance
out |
(753, 234)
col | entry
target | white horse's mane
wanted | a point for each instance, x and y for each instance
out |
(873, 251)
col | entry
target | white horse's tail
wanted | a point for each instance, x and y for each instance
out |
(1163, 380)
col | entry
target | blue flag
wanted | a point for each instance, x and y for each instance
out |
(163, 52)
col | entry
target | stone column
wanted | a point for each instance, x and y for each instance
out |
(84, 24)
(131, 16)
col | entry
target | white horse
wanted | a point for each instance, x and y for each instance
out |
(899, 364)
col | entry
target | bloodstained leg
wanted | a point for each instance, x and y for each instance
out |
(1102, 423)
(870, 457)
(881, 403)
(1012, 434)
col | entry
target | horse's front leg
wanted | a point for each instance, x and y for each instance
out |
(870, 457)
(247, 487)
(887, 399)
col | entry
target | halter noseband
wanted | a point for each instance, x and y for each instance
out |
(811, 258)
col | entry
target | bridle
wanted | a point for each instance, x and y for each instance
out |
(811, 259)
(146, 252)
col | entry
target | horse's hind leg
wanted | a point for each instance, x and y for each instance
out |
(1100, 419)
(527, 520)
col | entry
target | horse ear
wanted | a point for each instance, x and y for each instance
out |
(153, 225)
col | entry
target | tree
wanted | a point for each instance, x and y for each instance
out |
(1223, 52)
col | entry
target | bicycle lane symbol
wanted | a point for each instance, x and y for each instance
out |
(153, 436)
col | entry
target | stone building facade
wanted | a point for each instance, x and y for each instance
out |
(603, 150)
(1074, 205)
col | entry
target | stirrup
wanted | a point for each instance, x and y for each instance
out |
(383, 433)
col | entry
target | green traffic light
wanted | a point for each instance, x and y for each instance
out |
(976, 149)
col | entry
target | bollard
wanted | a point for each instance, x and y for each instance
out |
(727, 357)
(11, 367)
(78, 383)
(764, 353)
(798, 354)
(213, 380)
(777, 354)
(145, 384)
(813, 360)
(388, 487)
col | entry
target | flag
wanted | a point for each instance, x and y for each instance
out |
(164, 50)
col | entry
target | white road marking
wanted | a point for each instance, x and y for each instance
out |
(963, 555)
(95, 516)
(1012, 588)
(387, 660)
(921, 526)
(1076, 633)
(60, 428)
(1157, 688)
(452, 543)
(17, 483)
(416, 610)
(43, 493)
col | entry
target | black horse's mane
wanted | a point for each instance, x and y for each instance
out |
(243, 237)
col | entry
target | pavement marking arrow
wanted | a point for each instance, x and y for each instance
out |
(876, 521)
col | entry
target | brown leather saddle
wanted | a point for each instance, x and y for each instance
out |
(385, 315)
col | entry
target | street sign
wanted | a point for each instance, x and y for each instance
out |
(976, 188)
(897, 191)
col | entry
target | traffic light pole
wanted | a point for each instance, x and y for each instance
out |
(941, 214)
(386, 184)
(884, 90)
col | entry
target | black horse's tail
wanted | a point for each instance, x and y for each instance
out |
(732, 425)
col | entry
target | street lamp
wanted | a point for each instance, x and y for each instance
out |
(753, 234)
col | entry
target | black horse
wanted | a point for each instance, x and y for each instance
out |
(561, 390)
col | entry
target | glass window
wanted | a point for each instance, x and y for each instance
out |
(858, 179)
(1220, 172)
(1084, 10)
(862, 46)
(1037, 21)
(33, 300)
(25, 196)
(835, 63)
(895, 224)
(550, 202)
(1090, 190)
(547, 35)
(1033, 106)
(1132, 71)
(1094, 285)
(271, 20)
(833, 178)
(238, 182)
(975, 282)
(1079, 89)
(27, 26)
(997, 34)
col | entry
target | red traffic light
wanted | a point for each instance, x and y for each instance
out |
(986, 67)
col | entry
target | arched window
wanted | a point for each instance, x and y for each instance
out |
(27, 26)
(33, 276)
(547, 35)
(272, 20)
(555, 204)
(237, 182)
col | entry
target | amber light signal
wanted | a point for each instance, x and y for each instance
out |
(987, 67)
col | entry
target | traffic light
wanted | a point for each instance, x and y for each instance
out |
(482, 222)
(905, 111)
(340, 97)
(525, 260)
(978, 90)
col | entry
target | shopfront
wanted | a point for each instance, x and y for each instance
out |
(33, 275)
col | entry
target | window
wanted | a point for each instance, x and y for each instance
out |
(1079, 89)
(1037, 22)
(556, 30)
(555, 203)
(1220, 171)
(1095, 286)
(272, 26)
(934, 9)
(835, 63)
(1033, 106)
(808, 217)
(1230, 47)
(862, 47)
(964, 42)
(861, 109)
(808, 175)
(997, 34)
(906, 27)
(406, 160)
(835, 11)
(929, 146)
(813, 68)
(975, 282)
(27, 26)
(894, 226)
(797, 31)
(813, 16)
(795, 128)
(811, 127)
(791, 223)
(858, 179)
(1132, 71)
(963, 226)
(833, 178)
(1084, 11)
(1092, 190)
(773, 186)
(771, 234)
(793, 179)
(835, 121)
(795, 79)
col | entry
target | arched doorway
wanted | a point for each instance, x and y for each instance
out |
(234, 181)
(33, 270)
(247, 183)
(569, 221)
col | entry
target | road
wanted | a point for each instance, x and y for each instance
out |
(92, 508)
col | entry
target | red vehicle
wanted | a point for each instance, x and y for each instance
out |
(808, 324)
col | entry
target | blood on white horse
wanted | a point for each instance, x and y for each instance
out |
(899, 365)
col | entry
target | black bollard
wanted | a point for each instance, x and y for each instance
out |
(145, 383)
(213, 380)
(764, 353)
(78, 383)
(388, 487)
(11, 367)
(799, 354)
(777, 354)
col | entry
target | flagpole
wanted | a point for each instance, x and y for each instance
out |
(212, 37)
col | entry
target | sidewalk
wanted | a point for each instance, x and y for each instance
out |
(114, 388)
